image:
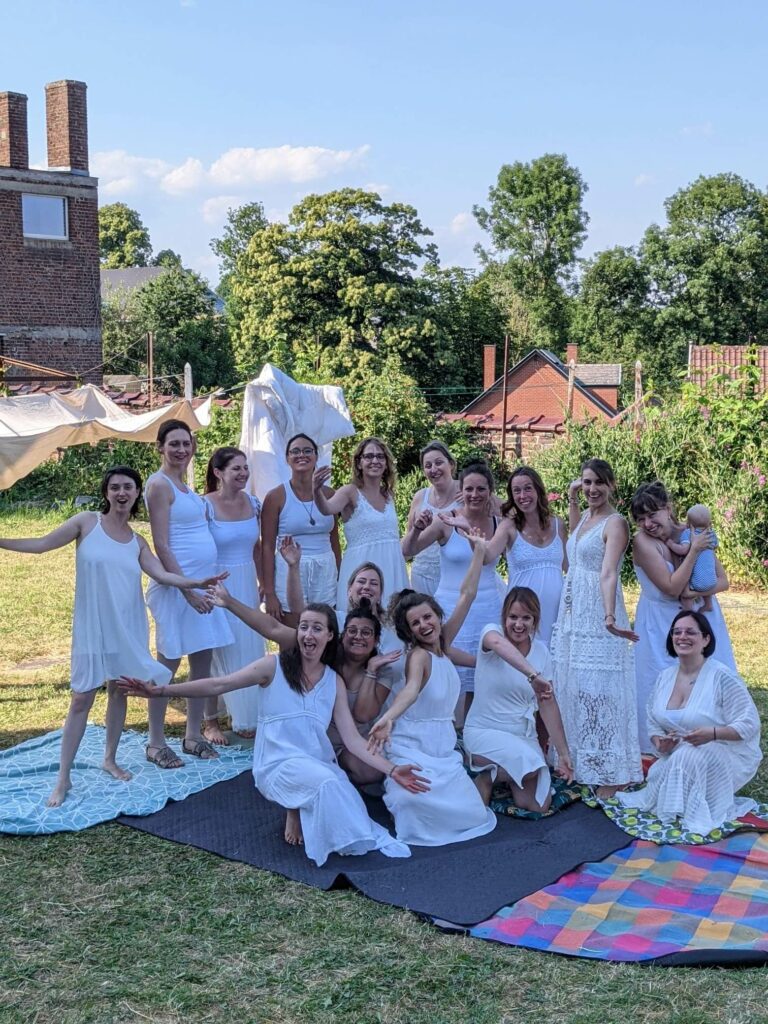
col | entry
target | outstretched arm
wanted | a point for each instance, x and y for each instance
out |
(331, 504)
(468, 590)
(57, 538)
(494, 641)
(258, 673)
(154, 568)
(258, 620)
(416, 671)
(549, 710)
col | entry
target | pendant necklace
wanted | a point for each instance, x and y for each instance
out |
(304, 506)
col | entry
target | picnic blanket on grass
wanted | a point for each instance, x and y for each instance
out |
(673, 905)
(28, 774)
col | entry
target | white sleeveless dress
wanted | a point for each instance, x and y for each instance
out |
(594, 671)
(372, 536)
(541, 569)
(179, 628)
(425, 567)
(653, 617)
(452, 810)
(317, 568)
(294, 765)
(110, 632)
(235, 541)
(455, 558)
(501, 723)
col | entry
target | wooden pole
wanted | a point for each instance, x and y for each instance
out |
(188, 396)
(639, 411)
(504, 396)
(151, 367)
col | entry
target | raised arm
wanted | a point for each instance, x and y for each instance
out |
(266, 625)
(425, 530)
(646, 555)
(258, 673)
(290, 552)
(270, 518)
(58, 538)
(468, 589)
(574, 507)
(334, 504)
(616, 539)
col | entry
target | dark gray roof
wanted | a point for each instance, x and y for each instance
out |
(596, 374)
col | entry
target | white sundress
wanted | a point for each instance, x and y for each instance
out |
(452, 810)
(425, 567)
(540, 569)
(294, 765)
(594, 671)
(179, 628)
(235, 541)
(110, 632)
(372, 536)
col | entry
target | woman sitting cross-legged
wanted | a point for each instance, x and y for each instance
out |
(500, 730)
(293, 762)
(419, 724)
(705, 726)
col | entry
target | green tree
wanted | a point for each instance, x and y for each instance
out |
(166, 258)
(709, 265)
(537, 223)
(243, 222)
(339, 275)
(123, 239)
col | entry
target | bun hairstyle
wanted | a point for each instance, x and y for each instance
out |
(169, 426)
(399, 606)
(290, 660)
(437, 446)
(542, 501)
(528, 599)
(120, 471)
(649, 498)
(220, 459)
(305, 437)
(481, 469)
(602, 471)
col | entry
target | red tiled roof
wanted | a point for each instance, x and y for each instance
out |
(136, 401)
(514, 422)
(706, 361)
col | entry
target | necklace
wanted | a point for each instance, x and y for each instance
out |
(304, 506)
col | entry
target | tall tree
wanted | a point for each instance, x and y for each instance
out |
(537, 224)
(123, 239)
(338, 276)
(243, 222)
(166, 258)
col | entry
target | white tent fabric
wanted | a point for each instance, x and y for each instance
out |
(275, 408)
(33, 427)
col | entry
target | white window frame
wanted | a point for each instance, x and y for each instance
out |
(47, 237)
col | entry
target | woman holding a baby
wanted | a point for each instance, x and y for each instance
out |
(666, 555)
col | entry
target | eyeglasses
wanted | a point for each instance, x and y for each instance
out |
(374, 457)
(686, 632)
(295, 452)
(353, 631)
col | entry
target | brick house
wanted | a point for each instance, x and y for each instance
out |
(542, 392)
(707, 361)
(50, 311)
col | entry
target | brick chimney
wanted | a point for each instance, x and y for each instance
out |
(571, 353)
(67, 126)
(14, 148)
(489, 366)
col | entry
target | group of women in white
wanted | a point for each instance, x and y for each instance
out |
(538, 671)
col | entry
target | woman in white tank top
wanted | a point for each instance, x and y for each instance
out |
(110, 633)
(290, 511)
(442, 495)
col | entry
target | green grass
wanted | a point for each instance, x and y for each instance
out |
(110, 925)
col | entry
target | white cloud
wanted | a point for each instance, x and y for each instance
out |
(119, 172)
(214, 210)
(701, 129)
(248, 166)
(184, 178)
(644, 179)
(462, 223)
(374, 186)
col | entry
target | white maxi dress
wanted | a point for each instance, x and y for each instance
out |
(294, 765)
(452, 810)
(594, 671)
(372, 536)
(697, 784)
(540, 569)
(501, 723)
(235, 541)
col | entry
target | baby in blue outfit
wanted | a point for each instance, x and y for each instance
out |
(704, 575)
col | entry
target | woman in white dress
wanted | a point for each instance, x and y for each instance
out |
(534, 541)
(477, 487)
(110, 632)
(293, 760)
(500, 732)
(663, 578)
(290, 511)
(186, 624)
(418, 726)
(233, 519)
(706, 730)
(367, 509)
(594, 671)
(442, 495)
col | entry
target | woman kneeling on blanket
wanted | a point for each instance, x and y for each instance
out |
(500, 730)
(293, 762)
(705, 726)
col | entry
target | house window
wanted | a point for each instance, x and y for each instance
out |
(44, 216)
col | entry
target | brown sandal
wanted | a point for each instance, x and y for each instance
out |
(199, 748)
(164, 758)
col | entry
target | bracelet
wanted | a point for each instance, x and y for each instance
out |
(391, 771)
(610, 615)
(532, 675)
(370, 675)
(714, 732)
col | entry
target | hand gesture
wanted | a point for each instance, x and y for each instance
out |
(622, 634)
(422, 520)
(218, 595)
(665, 744)
(200, 602)
(405, 775)
(290, 551)
(379, 735)
(379, 661)
(564, 768)
(696, 737)
(140, 688)
(542, 688)
(454, 519)
(273, 607)
(475, 538)
(211, 581)
(573, 489)
(320, 478)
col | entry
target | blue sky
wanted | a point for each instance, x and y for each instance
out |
(196, 105)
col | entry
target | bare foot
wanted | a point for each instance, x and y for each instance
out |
(114, 769)
(211, 730)
(59, 794)
(606, 792)
(293, 834)
(484, 784)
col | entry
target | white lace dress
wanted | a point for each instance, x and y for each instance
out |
(372, 536)
(594, 672)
